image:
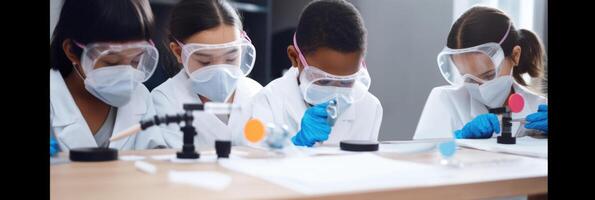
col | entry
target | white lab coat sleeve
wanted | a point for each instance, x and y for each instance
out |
(258, 107)
(237, 132)
(261, 107)
(435, 120)
(150, 138)
(542, 100)
(170, 133)
(161, 103)
(377, 122)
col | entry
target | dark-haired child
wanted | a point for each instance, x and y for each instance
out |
(101, 52)
(327, 59)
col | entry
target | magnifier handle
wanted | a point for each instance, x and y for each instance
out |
(317, 144)
(331, 110)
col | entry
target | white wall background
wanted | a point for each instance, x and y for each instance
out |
(55, 6)
(404, 38)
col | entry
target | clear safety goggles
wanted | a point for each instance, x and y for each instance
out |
(240, 53)
(322, 86)
(476, 64)
(142, 56)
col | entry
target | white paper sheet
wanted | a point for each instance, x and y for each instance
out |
(403, 147)
(322, 150)
(163, 157)
(206, 179)
(131, 157)
(414, 147)
(406, 148)
(526, 146)
(366, 171)
(325, 174)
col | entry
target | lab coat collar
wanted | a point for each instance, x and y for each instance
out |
(349, 114)
(62, 103)
(242, 92)
(66, 113)
(242, 97)
(186, 95)
(137, 107)
(61, 98)
(476, 107)
(289, 93)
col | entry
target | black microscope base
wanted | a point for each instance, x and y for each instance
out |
(188, 155)
(506, 140)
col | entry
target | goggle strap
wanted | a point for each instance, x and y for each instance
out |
(300, 55)
(179, 43)
(303, 59)
(82, 46)
(506, 34)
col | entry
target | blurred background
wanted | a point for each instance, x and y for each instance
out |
(404, 37)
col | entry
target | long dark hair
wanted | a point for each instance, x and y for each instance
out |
(193, 16)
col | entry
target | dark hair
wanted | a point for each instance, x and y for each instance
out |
(87, 21)
(335, 24)
(193, 16)
(480, 25)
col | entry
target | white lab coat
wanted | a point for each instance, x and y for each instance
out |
(282, 103)
(72, 131)
(170, 96)
(449, 108)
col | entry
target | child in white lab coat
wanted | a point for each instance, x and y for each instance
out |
(484, 61)
(101, 52)
(207, 39)
(327, 59)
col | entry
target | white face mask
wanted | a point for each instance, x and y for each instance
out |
(215, 82)
(113, 85)
(491, 93)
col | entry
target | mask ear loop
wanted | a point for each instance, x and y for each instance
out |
(77, 71)
(181, 45)
(74, 65)
(245, 36)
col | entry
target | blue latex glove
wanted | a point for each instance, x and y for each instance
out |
(483, 126)
(314, 128)
(53, 146)
(538, 120)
